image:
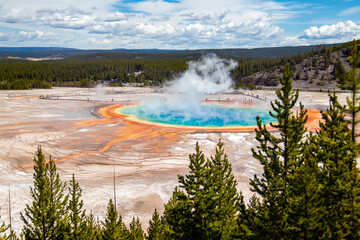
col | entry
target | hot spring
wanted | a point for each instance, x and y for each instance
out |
(182, 103)
(203, 116)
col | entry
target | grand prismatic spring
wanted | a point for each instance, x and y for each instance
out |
(88, 133)
(206, 116)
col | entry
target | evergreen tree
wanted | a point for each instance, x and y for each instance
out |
(223, 199)
(156, 228)
(93, 228)
(76, 213)
(196, 188)
(3, 229)
(208, 206)
(303, 207)
(352, 83)
(136, 232)
(178, 219)
(179, 215)
(247, 223)
(45, 217)
(114, 228)
(58, 201)
(335, 152)
(279, 154)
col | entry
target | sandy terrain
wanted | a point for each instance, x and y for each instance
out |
(89, 139)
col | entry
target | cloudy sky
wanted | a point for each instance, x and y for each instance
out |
(176, 24)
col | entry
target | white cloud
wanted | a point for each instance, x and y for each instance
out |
(294, 41)
(118, 16)
(38, 35)
(186, 23)
(206, 18)
(155, 6)
(72, 17)
(91, 40)
(24, 36)
(195, 28)
(16, 15)
(4, 37)
(161, 24)
(350, 11)
(340, 30)
(106, 41)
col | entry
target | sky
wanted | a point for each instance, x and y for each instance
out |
(177, 24)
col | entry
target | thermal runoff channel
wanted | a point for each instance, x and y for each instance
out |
(182, 102)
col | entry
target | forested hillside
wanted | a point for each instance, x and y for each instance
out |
(26, 74)
(321, 67)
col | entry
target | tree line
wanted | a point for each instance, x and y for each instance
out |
(309, 187)
(89, 70)
(45, 74)
(16, 74)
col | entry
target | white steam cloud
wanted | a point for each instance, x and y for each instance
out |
(184, 95)
(208, 75)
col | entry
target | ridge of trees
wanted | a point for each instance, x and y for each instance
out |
(154, 70)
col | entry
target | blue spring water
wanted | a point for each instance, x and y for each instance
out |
(205, 116)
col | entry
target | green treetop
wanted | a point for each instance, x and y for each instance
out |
(114, 228)
(156, 227)
(45, 217)
(208, 206)
(136, 232)
(279, 153)
(76, 213)
(352, 83)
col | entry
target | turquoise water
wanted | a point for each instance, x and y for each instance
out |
(202, 116)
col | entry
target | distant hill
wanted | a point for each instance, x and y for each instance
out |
(79, 54)
(231, 52)
(322, 68)
(34, 49)
(57, 52)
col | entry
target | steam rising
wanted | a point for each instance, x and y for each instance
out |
(208, 75)
(184, 95)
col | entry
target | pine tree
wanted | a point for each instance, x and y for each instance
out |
(182, 214)
(178, 219)
(136, 232)
(58, 200)
(280, 155)
(334, 152)
(93, 228)
(76, 213)
(223, 204)
(196, 188)
(114, 228)
(303, 207)
(3, 229)
(352, 83)
(208, 206)
(246, 220)
(156, 227)
(45, 217)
